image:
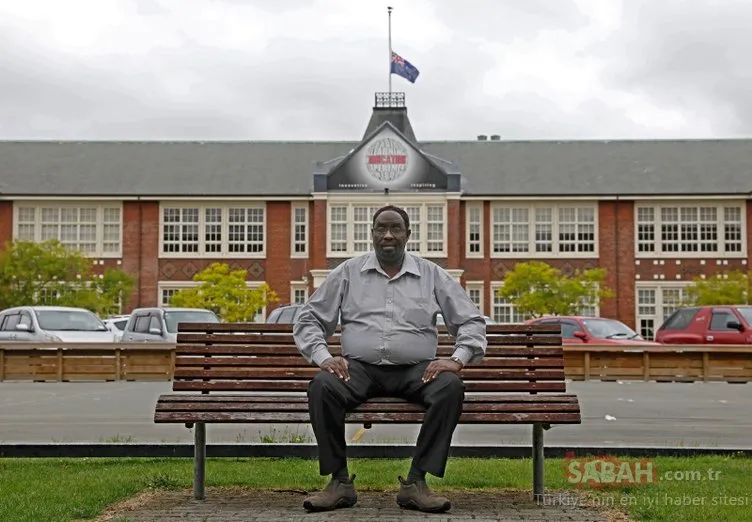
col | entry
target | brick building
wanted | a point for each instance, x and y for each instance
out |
(653, 213)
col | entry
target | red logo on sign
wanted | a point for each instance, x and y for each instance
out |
(387, 159)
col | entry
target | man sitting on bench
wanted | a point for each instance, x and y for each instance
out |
(387, 302)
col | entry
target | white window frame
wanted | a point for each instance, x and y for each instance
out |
(100, 206)
(294, 242)
(298, 286)
(223, 252)
(422, 203)
(495, 286)
(470, 208)
(479, 287)
(531, 209)
(720, 221)
(181, 285)
(662, 309)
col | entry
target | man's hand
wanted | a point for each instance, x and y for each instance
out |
(434, 368)
(337, 366)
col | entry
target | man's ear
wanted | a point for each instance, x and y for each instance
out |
(408, 233)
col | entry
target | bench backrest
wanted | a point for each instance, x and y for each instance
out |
(259, 357)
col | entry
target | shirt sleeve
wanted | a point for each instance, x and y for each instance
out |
(319, 316)
(462, 318)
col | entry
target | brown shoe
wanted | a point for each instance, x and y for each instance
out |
(336, 494)
(416, 495)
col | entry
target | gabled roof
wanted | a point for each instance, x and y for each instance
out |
(515, 168)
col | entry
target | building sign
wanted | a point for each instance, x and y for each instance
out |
(387, 161)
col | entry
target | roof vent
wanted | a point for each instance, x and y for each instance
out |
(495, 137)
(482, 137)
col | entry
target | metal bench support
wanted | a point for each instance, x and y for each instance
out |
(199, 461)
(538, 462)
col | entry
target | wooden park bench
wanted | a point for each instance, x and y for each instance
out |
(245, 373)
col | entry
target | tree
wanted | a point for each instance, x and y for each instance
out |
(727, 288)
(48, 273)
(224, 292)
(538, 289)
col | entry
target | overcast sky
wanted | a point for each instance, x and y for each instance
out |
(307, 70)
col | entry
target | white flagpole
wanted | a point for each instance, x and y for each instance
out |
(389, 11)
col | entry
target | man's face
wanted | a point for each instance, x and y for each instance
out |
(389, 236)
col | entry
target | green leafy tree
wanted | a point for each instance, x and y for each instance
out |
(538, 289)
(224, 292)
(48, 273)
(728, 288)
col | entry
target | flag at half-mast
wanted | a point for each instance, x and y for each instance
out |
(402, 67)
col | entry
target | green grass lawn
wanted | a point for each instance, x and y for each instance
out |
(40, 490)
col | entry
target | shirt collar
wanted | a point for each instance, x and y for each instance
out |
(409, 265)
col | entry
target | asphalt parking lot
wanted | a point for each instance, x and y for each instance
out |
(627, 413)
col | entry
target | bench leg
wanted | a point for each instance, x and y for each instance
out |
(538, 462)
(199, 461)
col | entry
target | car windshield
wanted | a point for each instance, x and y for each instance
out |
(188, 316)
(746, 312)
(70, 321)
(609, 329)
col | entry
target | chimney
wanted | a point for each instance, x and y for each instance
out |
(482, 137)
(390, 106)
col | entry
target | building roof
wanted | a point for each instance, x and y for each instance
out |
(514, 168)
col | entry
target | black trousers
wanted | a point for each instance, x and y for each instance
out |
(329, 398)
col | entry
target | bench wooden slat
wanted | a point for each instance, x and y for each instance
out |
(251, 327)
(297, 360)
(287, 339)
(310, 372)
(360, 418)
(477, 407)
(278, 385)
(563, 398)
(282, 349)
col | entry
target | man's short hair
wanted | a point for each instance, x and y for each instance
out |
(392, 208)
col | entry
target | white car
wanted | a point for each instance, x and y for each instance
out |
(52, 324)
(116, 324)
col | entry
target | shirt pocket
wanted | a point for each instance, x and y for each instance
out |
(418, 313)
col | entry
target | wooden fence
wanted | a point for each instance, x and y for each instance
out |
(68, 362)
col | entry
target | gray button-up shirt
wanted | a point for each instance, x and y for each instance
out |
(389, 321)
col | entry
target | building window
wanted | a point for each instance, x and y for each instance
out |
(502, 311)
(95, 230)
(213, 230)
(474, 290)
(655, 303)
(299, 292)
(299, 229)
(167, 289)
(544, 231)
(474, 231)
(350, 229)
(690, 230)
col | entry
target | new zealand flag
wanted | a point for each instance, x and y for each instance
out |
(402, 67)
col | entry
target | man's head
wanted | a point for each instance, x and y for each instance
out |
(390, 232)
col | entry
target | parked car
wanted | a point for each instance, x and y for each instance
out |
(600, 330)
(284, 314)
(707, 325)
(116, 324)
(161, 324)
(52, 323)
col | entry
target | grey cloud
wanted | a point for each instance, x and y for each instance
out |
(509, 19)
(691, 56)
(324, 90)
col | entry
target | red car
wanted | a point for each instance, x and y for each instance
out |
(708, 325)
(599, 330)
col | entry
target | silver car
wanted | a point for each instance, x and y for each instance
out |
(161, 324)
(52, 324)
